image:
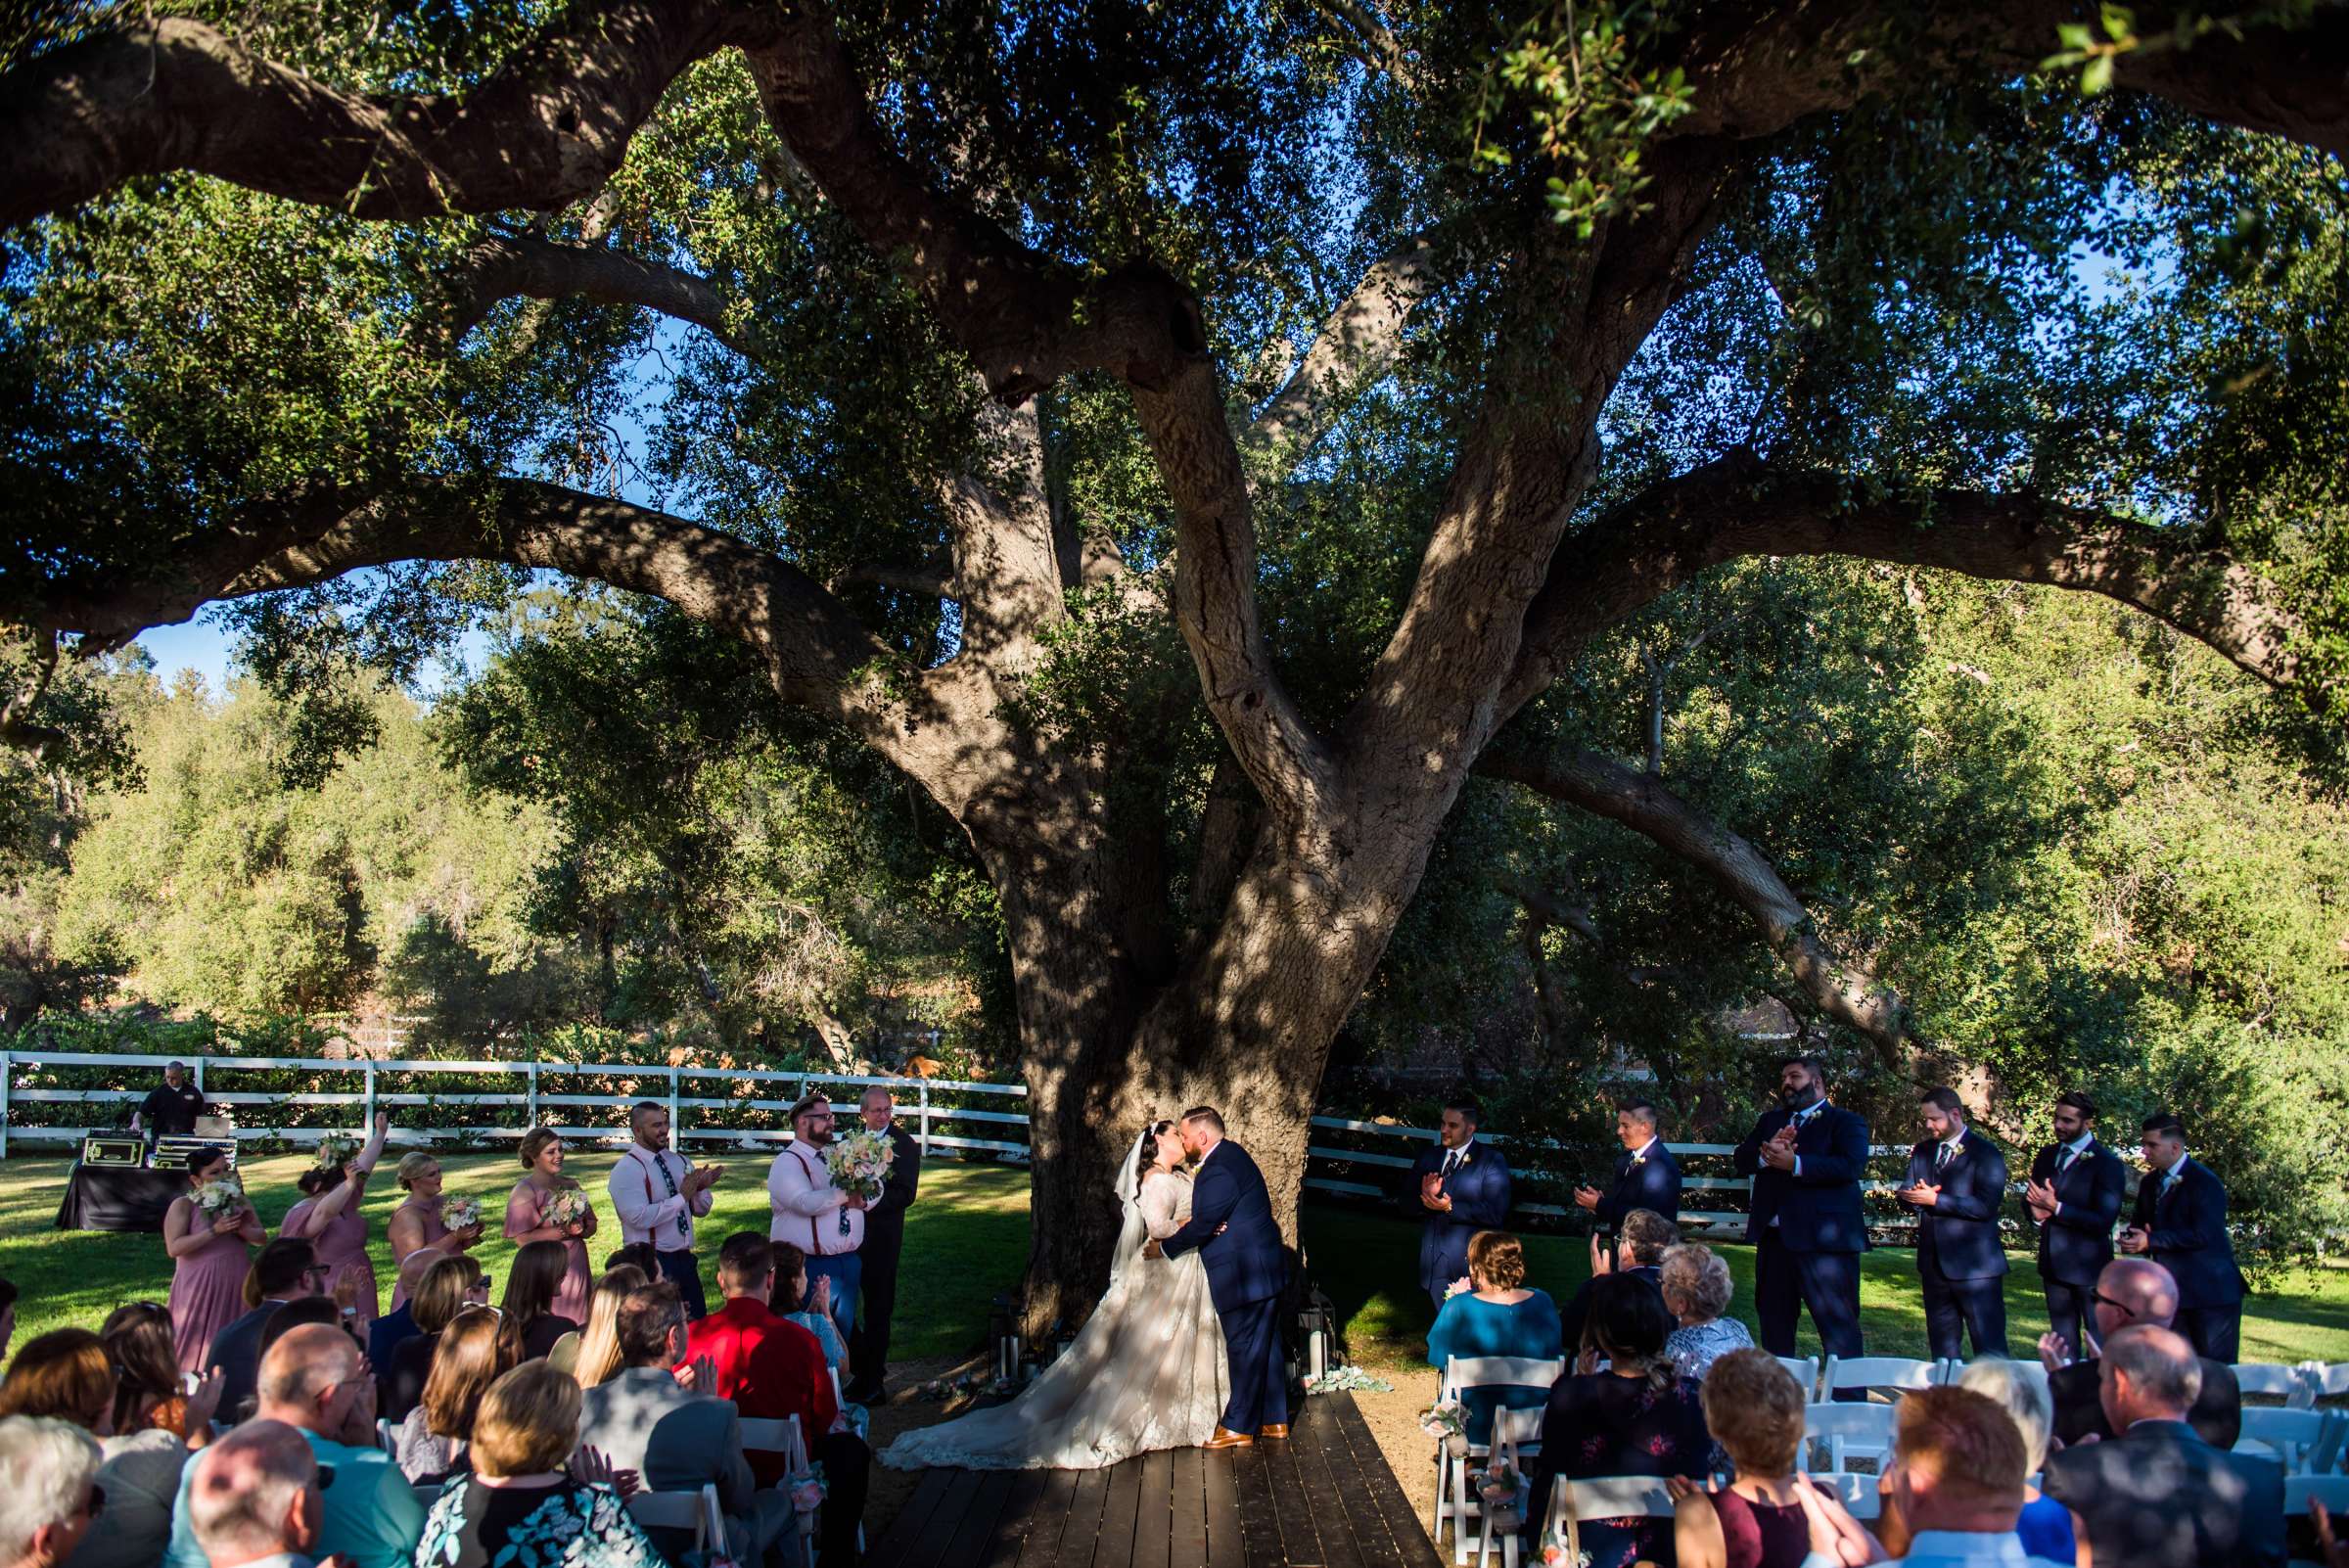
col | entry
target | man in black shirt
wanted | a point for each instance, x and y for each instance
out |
(170, 1111)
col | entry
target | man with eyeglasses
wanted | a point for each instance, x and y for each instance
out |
(2181, 1223)
(286, 1269)
(2134, 1291)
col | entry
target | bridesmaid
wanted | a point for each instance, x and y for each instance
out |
(526, 1220)
(416, 1224)
(328, 1218)
(209, 1262)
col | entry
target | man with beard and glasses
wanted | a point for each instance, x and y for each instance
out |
(1806, 1158)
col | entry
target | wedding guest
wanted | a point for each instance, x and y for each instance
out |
(592, 1355)
(2075, 1195)
(540, 1271)
(447, 1290)
(2045, 1525)
(1639, 1248)
(527, 1218)
(535, 1495)
(417, 1226)
(809, 1306)
(1696, 1286)
(284, 1268)
(2157, 1496)
(641, 1256)
(1496, 1315)
(657, 1194)
(1638, 1417)
(328, 1218)
(149, 1395)
(54, 1499)
(255, 1500)
(1646, 1175)
(1807, 1157)
(1754, 1408)
(315, 1380)
(1458, 1188)
(884, 1242)
(2132, 1291)
(209, 1258)
(823, 1222)
(387, 1333)
(2181, 1223)
(678, 1439)
(1956, 1186)
(476, 1348)
(66, 1375)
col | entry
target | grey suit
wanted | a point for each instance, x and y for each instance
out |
(678, 1440)
(2159, 1497)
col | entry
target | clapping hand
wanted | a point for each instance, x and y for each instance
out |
(1925, 1195)
(1601, 1262)
(2040, 1196)
(1587, 1197)
(819, 1299)
(589, 1467)
(2336, 1553)
(1679, 1489)
(2137, 1239)
(2055, 1351)
(1778, 1152)
(699, 1375)
(204, 1402)
(1834, 1534)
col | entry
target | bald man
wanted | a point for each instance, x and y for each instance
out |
(2157, 1496)
(255, 1498)
(2135, 1291)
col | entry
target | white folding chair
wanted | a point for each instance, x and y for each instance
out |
(764, 1434)
(382, 1437)
(696, 1511)
(2331, 1453)
(1806, 1374)
(1455, 1501)
(2290, 1436)
(2026, 1369)
(2333, 1491)
(2287, 1383)
(1606, 1496)
(2330, 1382)
(1870, 1373)
(1516, 1437)
(1850, 1432)
(1861, 1496)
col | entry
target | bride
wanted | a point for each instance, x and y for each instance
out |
(1146, 1372)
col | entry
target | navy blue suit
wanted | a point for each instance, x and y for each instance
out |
(1479, 1191)
(1654, 1183)
(2076, 1244)
(1247, 1269)
(2187, 1225)
(1808, 1229)
(1960, 1260)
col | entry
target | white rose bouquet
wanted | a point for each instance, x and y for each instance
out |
(568, 1208)
(860, 1162)
(334, 1151)
(460, 1213)
(217, 1200)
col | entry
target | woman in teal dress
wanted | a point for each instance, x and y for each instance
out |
(1496, 1315)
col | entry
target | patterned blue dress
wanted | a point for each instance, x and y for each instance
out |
(563, 1526)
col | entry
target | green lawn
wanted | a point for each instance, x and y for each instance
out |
(966, 1242)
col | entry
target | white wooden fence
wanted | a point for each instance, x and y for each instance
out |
(924, 1103)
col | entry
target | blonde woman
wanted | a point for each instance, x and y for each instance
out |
(592, 1355)
(2046, 1525)
(527, 1222)
(416, 1224)
(534, 1496)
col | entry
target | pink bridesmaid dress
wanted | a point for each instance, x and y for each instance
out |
(434, 1230)
(208, 1294)
(342, 1248)
(525, 1212)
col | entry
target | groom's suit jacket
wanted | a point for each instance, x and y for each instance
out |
(1246, 1263)
(1480, 1201)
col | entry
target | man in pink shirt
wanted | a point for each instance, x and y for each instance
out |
(657, 1194)
(814, 1214)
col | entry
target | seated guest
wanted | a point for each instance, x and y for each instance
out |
(531, 1286)
(641, 1255)
(773, 1369)
(445, 1290)
(676, 1439)
(1696, 1286)
(66, 1375)
(1639, 1418)
(476, 1348)
(592, 1355)
(255, 1500)
(535, 1495)
(813, 1313)
(315, 1381)
(148, 1393)
(398, 1326)
(1754, 1408)
(52, 1498)
(283, 1270)
(1640, 1247)
(1496, 1315)
(2135, 1291)
(2158, 1496)
(2046, 1525)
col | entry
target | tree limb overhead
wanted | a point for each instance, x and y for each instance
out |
(507, 266)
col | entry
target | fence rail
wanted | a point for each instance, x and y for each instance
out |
(927, 1103)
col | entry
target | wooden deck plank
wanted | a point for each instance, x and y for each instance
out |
(947, 1523)
(1016, 1521)
(1406, 1527)
(976, 1532)
(1308, 1448)
(1260, 1519)
(1188, 1510)
(1154, 1524)
(1081, 1531)
(1300, 1542)
(1041, 1548)
(1227, 1545)
(916, 1516)
(1116, 1550)
(1373, 1537)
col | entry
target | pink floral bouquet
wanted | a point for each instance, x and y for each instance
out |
(459, 1213)
(1447, 1421)
(568, 1208)
(861, 1162)
(217, 1200)
(807, 1488)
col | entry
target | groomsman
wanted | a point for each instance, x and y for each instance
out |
(1646, 1175)
(1806, 1159)
(2181, 1223)
(884, 1240)
(1462, 1187)
(2075, 1195)
(1955, 1185)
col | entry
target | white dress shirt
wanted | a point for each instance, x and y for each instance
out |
(807, 1208)
(642, 1200)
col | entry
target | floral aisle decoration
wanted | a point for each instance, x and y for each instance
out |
(1447, 1421)
(1347, 1380)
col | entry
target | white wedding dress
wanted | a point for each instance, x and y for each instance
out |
(1145, 1372)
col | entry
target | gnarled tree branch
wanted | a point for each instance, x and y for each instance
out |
(504, 266)
(1357, 344)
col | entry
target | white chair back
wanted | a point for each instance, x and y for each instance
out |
(1861, 1496)
(1455, 1500)
(383, 1436)
(2333, 1491)
(2330, 1382)
(1849, 1432)
(1878, 1371)
(762, 1435)
(1499, 1371)
(696, 1511)
(1516, 1438)
(2287, 1383)
(2290, 1436)
(1606, 1496)
(2331, 1451)
(1806, 1374)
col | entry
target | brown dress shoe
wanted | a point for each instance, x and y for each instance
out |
(1274, 1429)
(1229, 1439)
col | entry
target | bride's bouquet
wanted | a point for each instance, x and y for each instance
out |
(217, 1200)
(334, 1152)
(568, 1208)
(459, 1213)
(861, 1162)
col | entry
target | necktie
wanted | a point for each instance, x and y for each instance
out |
(1452, 1163)
(2063, 1160)
(1941, 1158)
(684, 1225)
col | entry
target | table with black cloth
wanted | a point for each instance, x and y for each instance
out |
(117, 1197)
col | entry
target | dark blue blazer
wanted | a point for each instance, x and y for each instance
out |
(1480, 1201)
(386, 1334)
(1964, 1226)
(2189, 1230)
(1246, 1263)
(1817, 1211)
(2159, 1497)
(1654, 1183)
(2077, 1243)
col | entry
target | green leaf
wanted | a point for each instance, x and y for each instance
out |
(2098, 77)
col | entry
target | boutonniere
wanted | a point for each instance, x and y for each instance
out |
(1640, 1159)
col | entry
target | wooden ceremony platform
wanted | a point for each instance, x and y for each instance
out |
(1324, 1498)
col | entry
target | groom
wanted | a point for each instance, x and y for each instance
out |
(1232, 1227)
